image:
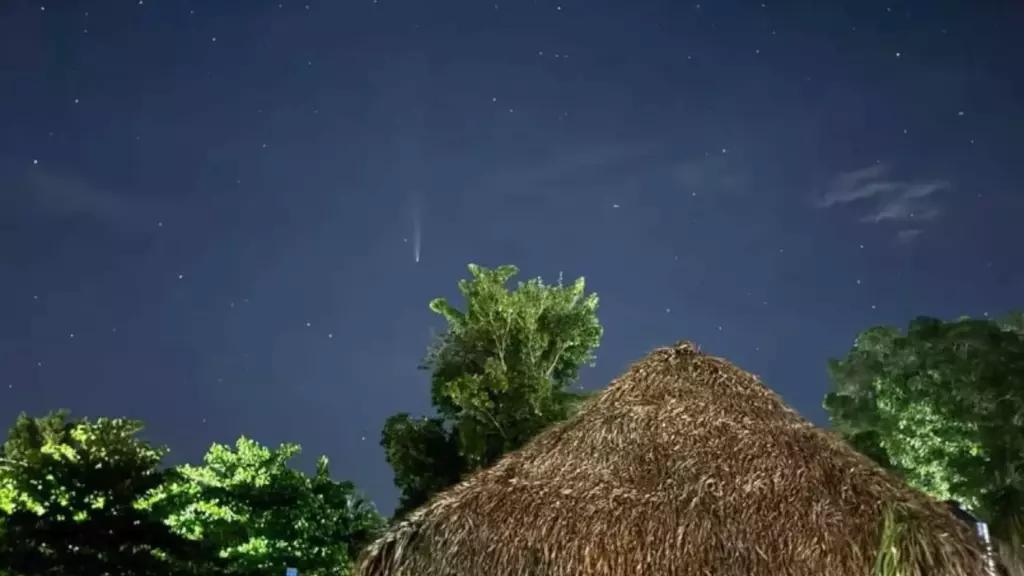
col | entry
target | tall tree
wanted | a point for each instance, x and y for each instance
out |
(499, 374)
(68, 494)
(943, 405)
(259, 516)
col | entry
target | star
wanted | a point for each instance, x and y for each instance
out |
(615, 205)
(960, 113)
(213, 39)
(308, 324)
(899, 54)
(330, 335)
(181, 276)
(76, 100)
(34, 161)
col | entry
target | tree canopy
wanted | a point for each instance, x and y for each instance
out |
(67, 500)
(499, 374)
(258, 516)
(942, 404)
(84, 498)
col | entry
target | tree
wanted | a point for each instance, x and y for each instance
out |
(259, 516)
(499, 375)
(943, 405)
(68, 491)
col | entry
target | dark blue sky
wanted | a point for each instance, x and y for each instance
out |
(206, 208)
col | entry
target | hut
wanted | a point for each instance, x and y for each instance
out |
(685, 465)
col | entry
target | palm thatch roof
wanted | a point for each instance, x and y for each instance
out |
(685, 465)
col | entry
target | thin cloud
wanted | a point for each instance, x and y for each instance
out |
(855, 185)
(908, 235)
(894, 200)
(76, 197)
(609, 170)
(558, 168)
(707, 175)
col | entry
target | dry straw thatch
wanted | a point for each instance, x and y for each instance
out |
(686, 465)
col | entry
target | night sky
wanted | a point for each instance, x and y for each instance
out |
(211, 212)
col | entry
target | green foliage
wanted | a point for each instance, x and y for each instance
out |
(67, 495)
(944, 406)
(499, 375)
(259, 516)
(424, 456)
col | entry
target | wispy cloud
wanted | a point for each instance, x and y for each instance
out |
(708, 175)
(908, 235)
(611, 172)
(856, 185)
(896, 201)
(76, 197)
(558, 168)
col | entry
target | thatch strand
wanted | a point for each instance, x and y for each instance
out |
(684, 466)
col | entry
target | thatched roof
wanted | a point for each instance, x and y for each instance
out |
(686, 465)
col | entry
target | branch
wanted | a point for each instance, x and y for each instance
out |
(558, 354)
